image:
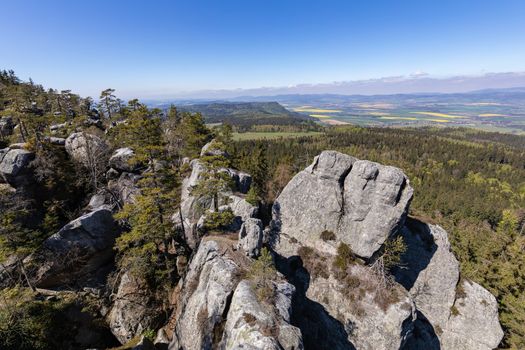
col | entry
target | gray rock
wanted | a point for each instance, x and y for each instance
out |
(475, 325)
(59, 141)
(253, 325)
(362, 202)
(242, 181)
(430, 273)
(124, 189)
(121, 160)
(56, 127)
(131, 313)
(6, 126)
(251, 237)
(14, 165)
(79, 248)
(144, 344)
(86, 148)
(207, 289)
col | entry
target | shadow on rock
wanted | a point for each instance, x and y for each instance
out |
(319, 329)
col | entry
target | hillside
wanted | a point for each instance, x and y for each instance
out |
(245, 114)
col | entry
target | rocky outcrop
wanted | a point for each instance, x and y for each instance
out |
(206, 296)
(192, 210)
(79, 248)
(85, 148)
(251, 237)
(251, 324)
(14, 165)
(132, 312)
(362, 202)
(212, 149)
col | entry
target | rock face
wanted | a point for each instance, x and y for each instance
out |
(79, 248)
(362, 202)
(6, 126)
(253, 325)
(14, 165)
(475, 323)
(206, 296)
(210, 149)
(85, 148)
(251, 237)
(132, 312)
(193, 208)
(121, 160)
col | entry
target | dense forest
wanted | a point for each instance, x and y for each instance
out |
(470, 182)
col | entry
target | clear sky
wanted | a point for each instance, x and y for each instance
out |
(144, 48)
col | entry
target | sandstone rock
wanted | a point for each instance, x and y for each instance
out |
(131, 313)
(207, 290)
(120, 160)
(79, 248)
(253, 325)
(242, 181)
(362, 202)
(475, 323)
(59, 141)
(250, 237)
(430, 271)
(85, 148)
(14, 165)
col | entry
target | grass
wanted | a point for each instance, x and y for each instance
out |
(316, 110)
(492, 115)
(439, 120)
(398, 118)
(320, 116)
(272, 135)
(441, 115)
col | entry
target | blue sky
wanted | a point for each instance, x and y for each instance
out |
(150, 48)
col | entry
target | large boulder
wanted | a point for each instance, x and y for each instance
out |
(251, 237)
(14, 165)
(362, 202)
(81, 247)
(85, 148)
(132, 312)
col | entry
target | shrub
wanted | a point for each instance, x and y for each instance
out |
(218, 220)
(252, 196)
(327, 235)
(344, 257)
(262, 272)
(313, 262)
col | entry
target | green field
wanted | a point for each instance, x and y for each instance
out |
(272, 135)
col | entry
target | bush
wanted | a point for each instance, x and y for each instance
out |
(344, 258)
(262, 272)
(327, 235)
(218, 220)
(252, 196)
(313, 262)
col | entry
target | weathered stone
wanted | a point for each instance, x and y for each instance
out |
(474, 325)
(14, 165)
(253, 325)
(121, 160)
(362, 202)
(251, 237)
(79, 248)
(131, 313)
(59, 141)
(86, 148)
(207, 290)
(125, 188)
(6, 126)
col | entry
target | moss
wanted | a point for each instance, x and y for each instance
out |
(454, 310)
